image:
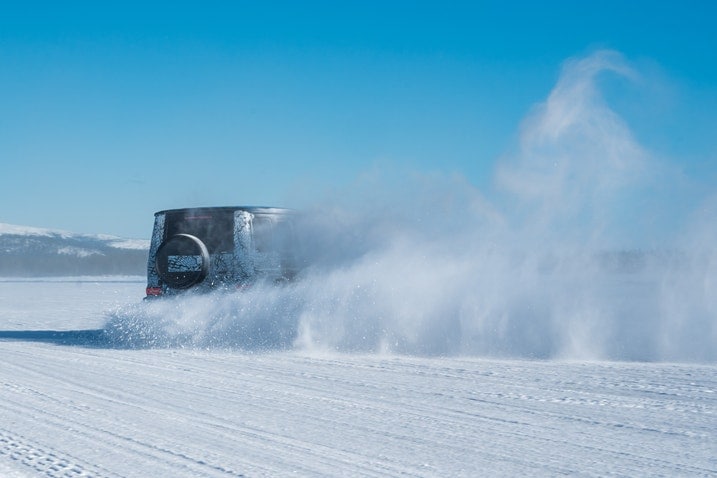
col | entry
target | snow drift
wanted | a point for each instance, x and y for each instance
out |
(567, 258)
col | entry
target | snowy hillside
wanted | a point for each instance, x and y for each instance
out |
(31, 251)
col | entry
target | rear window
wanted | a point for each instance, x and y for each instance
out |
(272, 235)
(214, 228)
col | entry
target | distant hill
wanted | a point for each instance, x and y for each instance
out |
(33, 252)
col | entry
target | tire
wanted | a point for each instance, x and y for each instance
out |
(182, 261)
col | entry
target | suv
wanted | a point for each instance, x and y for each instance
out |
(208, 247)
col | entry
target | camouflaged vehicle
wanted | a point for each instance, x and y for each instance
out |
(209, 247)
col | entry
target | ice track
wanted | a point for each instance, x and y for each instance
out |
(72, 411)
(71, 407)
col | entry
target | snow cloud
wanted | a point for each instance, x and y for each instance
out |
(561, 262)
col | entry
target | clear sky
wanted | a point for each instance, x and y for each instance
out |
(110, 111)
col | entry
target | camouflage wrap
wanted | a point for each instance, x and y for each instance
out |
(157, 238)
(243, 250)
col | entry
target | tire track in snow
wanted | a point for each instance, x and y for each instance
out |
(48, 462)
(555, 440)
(252, 435)
(296, 447)
(59, 416)
(209, 413)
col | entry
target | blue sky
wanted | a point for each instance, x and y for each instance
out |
(110, 111)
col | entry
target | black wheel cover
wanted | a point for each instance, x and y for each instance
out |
(182, 261)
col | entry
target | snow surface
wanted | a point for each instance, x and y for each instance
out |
(76, 402)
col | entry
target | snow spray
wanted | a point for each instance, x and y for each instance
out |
(569, 257)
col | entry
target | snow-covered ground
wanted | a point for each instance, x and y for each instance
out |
(73, 403)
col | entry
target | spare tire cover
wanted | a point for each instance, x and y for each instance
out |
(182, 261)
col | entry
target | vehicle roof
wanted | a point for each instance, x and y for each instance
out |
(250, 209)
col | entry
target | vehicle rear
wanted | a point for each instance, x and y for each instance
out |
(207, 248)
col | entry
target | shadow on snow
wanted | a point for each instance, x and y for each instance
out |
(250, 340)
(83, 338)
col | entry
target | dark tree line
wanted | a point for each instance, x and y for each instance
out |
(23, 256)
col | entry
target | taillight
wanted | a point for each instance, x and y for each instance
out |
(154, 291)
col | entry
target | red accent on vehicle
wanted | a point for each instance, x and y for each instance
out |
(154, 291)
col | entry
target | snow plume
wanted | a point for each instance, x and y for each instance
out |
(577, 161)
(560, 261)
(258, 319)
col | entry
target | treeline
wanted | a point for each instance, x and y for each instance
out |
(22, 256)
(121, 262)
